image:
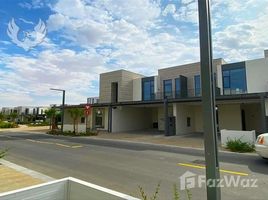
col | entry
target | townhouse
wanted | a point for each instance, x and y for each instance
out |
(24, 112)
(171, 100)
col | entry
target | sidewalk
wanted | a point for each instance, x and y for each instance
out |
(26, 128)
(194, 140)
(14, 177)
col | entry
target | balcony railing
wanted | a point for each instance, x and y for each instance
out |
(191, 93)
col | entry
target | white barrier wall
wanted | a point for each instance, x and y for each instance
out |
(70, 127)
(245, 136)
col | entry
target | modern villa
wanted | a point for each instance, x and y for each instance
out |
(171, 101)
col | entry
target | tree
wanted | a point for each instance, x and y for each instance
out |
(2, 116)
(51, 114)
(29, 117)
(13, 116)
(76, 113)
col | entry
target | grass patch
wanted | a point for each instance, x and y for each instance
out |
(239, 146)
(8, 125)
(3, 153)
(176, 193)
(72, 134)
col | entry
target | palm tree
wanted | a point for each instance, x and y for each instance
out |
(75, 113)
(13, 116)
(51, 113)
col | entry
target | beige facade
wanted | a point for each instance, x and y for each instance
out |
(233, 112)
(125, 85)
(189, 71)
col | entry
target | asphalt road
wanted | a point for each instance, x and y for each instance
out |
(124, 166)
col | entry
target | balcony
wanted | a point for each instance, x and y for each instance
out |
(191, 93)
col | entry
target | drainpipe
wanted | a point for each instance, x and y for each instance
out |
(263, 114)
(166, 116)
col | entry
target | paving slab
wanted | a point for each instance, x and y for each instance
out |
(14, 177)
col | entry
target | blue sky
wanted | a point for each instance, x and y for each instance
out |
(87, 37)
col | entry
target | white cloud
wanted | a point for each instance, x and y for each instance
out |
(105, 35)
(170, 9)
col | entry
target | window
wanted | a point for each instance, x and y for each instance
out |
(168, 88)
(234, 80)
(197, 85)
(99, 118)
(114, 92)
(178, 87)
(188, 122)
(83, 120)
(148, 88)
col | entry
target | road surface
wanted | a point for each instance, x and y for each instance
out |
(124, 166)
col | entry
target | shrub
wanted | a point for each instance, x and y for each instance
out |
(3, 153)
(239, 146)
(8, 125)
(39, 124)
(176, 194)
(71, 133)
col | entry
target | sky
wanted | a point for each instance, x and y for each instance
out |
(83, 38)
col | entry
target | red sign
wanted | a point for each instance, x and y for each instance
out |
(87, 110)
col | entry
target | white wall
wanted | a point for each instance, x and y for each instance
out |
(253, 116)
(181, 112)
(198, 119)
(219, 77)
(69, 127)
(131, 118)
(256, 72)
(161, 119)
(137, 89)
(244, 136)
(230, 116)
(156, 84)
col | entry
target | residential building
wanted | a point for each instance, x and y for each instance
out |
(27, 113)
(171, 100)
(82, 123)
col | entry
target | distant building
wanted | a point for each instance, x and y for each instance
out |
(27, 113)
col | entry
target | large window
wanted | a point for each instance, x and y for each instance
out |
(148, 89)
(178, 87)
(197, 85)
(234, 80)
(168, 88)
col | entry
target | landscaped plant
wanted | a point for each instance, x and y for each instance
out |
(2, 116)
(238, 145)
(3, 153)
(75, 113)
(8, 125)
(51, 114)
(39, 124)
(176, 194)
(13, 116)
(71, 133)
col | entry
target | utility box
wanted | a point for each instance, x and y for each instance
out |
(65, 189)
(171, 126)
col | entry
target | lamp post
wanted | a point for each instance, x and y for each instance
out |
(62, 107)
(208, 101)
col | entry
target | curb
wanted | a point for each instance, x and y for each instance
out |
(27, 171)
(167, 145)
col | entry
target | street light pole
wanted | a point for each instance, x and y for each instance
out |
(62, 106)
(208, 102)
